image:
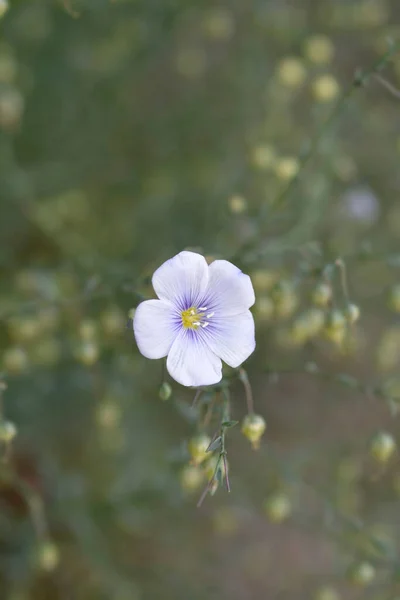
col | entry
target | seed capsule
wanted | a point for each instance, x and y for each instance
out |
(253, 427)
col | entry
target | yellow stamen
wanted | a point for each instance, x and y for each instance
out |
(191, 318)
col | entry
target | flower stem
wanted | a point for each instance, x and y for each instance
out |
(247, 389)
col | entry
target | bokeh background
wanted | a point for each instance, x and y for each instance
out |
(130, 130)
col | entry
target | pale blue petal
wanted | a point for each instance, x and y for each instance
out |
(182, 279)
(229, 292)
(191, 362)
(231, 338)
(155, 326)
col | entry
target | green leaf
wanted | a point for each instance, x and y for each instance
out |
(215, 444)
(227, 424)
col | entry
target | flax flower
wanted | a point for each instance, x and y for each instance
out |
(201, 318)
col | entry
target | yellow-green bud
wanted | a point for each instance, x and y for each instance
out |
(394, 298)
(335, 327)
(165, 391)
(237, 204)
(253, 427)
(285, 299)
(88, 330)
(383, 445)
(113, 321)
(263, 157)
(8, 431)
(198, 448)
(319, 49)
(321, 294)
(325, 88)
(48, 556)
(287, 167)
(264, 308)
(291, 72)
(362, 574)
(308, 325)
(352, 313)
(88, 353)
(326, 592)
(108, 414)
(278, 507)
(191, 478)
(3, 7)
(15, 360)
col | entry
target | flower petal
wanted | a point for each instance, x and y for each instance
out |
(155, 327)
(230, 292)
(182, 279)
(232, 338)
(191, 362)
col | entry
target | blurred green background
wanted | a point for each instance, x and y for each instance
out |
(130, 130)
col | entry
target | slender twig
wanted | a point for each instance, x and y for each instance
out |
(343, 277)
(389, 86)
(248, 391)
(196, 398)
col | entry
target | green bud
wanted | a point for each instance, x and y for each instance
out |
(191, 478)
(352, 313)
(383, 445)
(278, 507)
(321, 294)
(8, 431)
(48, 556)
(198, 446)
(253, 427)
(165, 391)
(362, 573)
(394, 298)
(326, 592)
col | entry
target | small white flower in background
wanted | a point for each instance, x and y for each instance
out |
(202, 317)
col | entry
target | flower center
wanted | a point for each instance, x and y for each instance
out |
(193, 318)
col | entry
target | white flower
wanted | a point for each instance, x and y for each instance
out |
(201, 317)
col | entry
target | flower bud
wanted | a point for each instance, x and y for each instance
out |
(109, 414)
(326, 592)
(191, 478)
(15, 360)
(3, 7)
(352, 313)
(362, 573)
(253, 427)
(278, 507)
(87, 353)
(291, 72)
(325, 88)
(321, 294)
(287, 167)
(308, 325)
(319, 49)
(263, 157)
(198, 448)
(394, 298)
(264, 308)
(88, 330)
(165, 391)
(237, 204)
(382, 447)
(112, 321)
(335, 327)
(285, 299)
(48, 556)
(8, 431)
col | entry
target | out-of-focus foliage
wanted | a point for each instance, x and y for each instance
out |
(262, 131)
